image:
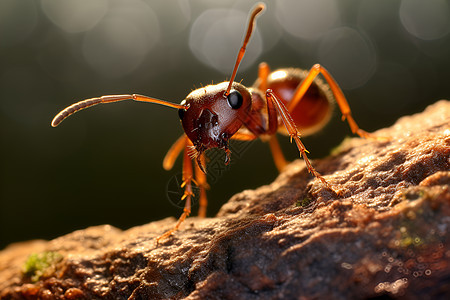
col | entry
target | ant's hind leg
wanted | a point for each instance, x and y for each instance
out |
(338, 95)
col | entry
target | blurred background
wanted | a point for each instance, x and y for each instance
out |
(104, 165)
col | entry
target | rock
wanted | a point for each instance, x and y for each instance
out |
(385, 236)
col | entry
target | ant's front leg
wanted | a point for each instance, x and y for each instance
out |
(187, 182)
(200, 177)
(201, 182)
(274, 106)
(183, 143)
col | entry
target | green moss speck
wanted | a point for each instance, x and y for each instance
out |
(38, 264)
(304, 202)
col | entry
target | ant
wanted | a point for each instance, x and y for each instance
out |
(214, 114)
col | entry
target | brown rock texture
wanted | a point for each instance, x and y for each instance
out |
(385, 236)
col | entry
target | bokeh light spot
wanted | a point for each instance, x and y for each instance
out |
(75, 15)
(349, 56)
(17, 20)
(175, 17)
(216, 38)
(426, 20)
(120, 42)
(307, 19)
(371, 12)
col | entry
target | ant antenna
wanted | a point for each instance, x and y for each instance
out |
(109, 99)
(258, 8)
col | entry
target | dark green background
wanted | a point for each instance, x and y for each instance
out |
(104, 165)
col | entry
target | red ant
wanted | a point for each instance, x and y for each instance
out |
(214, 114)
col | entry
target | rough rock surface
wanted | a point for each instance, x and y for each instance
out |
(387, 235)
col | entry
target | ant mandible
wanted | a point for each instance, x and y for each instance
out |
(214, 114)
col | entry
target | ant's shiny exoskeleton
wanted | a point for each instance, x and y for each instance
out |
(214, 114)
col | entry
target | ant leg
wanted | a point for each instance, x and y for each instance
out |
(289, 123)
(244, 136)
(278, 157)
(187, 185)
(337, 92)
(277, 154)
(200, 179)
(173, 152)
(263, 74)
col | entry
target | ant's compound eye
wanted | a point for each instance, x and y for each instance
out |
(235, 99)
(181, 113)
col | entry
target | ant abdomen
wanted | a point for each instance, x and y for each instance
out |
(315, 108)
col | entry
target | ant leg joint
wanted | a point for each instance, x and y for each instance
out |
(317, 67)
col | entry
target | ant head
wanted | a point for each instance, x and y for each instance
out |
(213, 114)
(211, 117)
